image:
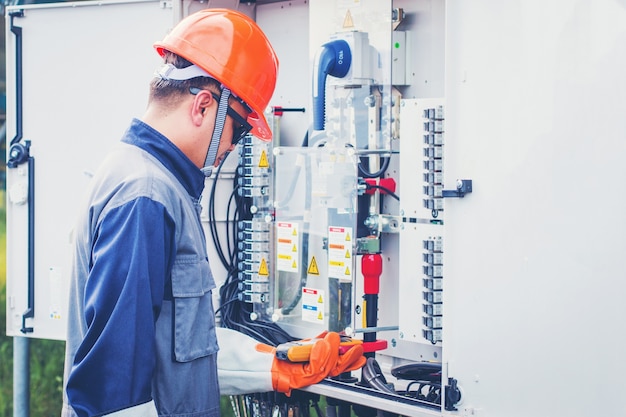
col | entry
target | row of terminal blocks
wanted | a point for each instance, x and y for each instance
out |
(433, 246)
(433, 158)
(433, 288)
(253, 182)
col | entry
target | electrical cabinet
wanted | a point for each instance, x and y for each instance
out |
(534, 99)
(496, 221)
(68, 101)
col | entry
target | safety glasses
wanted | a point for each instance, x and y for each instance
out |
(241, 128)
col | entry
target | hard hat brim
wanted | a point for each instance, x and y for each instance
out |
(260, 127)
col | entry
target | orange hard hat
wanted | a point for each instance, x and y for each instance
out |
(230, 47)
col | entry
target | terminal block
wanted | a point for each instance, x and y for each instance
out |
(433, 159)
(253, 233)
(433, 288)
(421, 300)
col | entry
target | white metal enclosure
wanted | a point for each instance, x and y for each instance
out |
(81, 67)
(536, 98)
(534, 94)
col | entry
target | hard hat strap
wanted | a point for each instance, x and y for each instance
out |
(220, 119)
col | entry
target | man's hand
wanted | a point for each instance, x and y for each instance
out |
(324, 361)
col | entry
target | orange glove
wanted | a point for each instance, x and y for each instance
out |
(324, 361)
(349, 361)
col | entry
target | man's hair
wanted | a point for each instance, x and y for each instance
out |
(171, 91)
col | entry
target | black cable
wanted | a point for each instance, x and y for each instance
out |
(385, 189)
(373, 375)
(366, 174)
(433, 394)
(234, 312)
(232, 248)
(212, 220)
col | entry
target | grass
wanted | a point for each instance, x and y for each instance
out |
(6, 343)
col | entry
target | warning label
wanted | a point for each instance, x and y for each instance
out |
(263, 268)
(263, 161)
(348, 23)
(312, 305)
(313, 269)
(287, 246)
(340, 252)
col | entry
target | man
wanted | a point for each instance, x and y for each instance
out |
(141, 334)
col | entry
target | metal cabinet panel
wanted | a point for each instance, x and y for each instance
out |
(83, 68)
(534, 256)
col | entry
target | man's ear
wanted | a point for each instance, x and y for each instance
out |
(202, 101)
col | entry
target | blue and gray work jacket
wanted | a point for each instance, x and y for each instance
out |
(141, 331)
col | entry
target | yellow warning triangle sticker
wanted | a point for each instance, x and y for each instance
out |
(263, 162)
(347, 271)
(263, 268)
(294, 265)
(319, 316)
(294, 249)
(347, 254)
(347, 21)
(348, 239)
(320, 300)
(294, 233)
(313, 267)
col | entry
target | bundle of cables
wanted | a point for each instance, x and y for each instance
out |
(424, 377)
(233, 311)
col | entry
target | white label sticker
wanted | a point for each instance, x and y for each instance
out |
(313, 305)
(287, 247)
(340, 252)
